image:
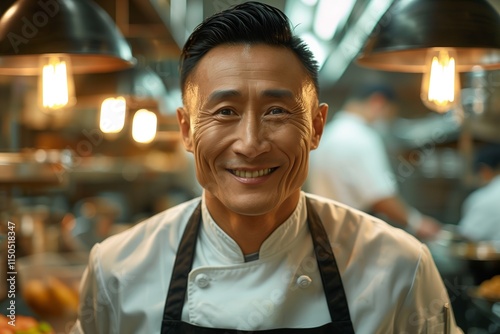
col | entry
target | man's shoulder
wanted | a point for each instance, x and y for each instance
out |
(350, 228)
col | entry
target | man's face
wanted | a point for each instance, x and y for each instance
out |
(251, 116)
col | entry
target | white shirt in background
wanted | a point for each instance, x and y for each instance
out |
(351, 164)
(481, 213)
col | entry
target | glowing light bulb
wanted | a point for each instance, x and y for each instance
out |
(144, 126)
(441, 82)
(56, 87)
(112, 116)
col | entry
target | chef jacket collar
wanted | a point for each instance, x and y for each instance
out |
(285, 234)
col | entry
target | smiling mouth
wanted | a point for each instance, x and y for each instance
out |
(247, 174)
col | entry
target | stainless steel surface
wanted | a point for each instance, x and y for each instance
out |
(34, 167)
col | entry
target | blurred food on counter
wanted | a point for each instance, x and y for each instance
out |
(49, 296)
(490, 288)
(24, 325)
(49, 282)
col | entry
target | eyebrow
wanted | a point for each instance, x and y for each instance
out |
(278, 93)
(220, 95)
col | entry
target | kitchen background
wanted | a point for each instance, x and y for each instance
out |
(67, 185)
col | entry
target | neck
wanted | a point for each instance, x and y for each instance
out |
(250, 231)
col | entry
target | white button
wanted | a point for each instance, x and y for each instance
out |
(304, 281)
(202, 280)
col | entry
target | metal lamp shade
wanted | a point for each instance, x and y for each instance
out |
(411, 27)
(78, 28)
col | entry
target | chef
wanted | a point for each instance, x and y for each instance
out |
(352, 166)
(255, 252)
(480, 219)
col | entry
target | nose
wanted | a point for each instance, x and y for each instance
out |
(252, 137)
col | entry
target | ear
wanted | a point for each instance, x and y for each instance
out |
(318, 123)
(185, 127)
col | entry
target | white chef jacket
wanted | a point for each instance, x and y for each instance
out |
(351, 164)
(390, 280)
(481, 213)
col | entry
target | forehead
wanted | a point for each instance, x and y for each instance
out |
(244, 66)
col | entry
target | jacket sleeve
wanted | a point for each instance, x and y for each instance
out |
(95, 315)
(423, 308)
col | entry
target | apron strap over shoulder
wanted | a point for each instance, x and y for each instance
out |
(182, 267)
(330, 277)
(329, 271)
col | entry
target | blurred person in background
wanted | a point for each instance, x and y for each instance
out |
(352, 165)
(481, 209)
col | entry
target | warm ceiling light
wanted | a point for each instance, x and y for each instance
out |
(112, 114)
(55, 83)
(441, 84)
(420, 35)
(80, 29)
(144, 126)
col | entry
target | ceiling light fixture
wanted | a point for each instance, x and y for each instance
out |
(144, 126)
(439, 38)
(55, 39)
(112, 115)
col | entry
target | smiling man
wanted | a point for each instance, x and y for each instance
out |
(251, 118)
(256, 253)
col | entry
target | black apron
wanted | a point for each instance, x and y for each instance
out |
(330, 277)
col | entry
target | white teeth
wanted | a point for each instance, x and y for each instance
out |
(252, 174)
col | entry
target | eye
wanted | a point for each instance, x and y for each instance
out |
(277, 111)
(225, 112)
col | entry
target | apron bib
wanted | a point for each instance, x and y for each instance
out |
(330, 277)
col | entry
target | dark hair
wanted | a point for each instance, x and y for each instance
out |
(366, 90)
(489, 155)
(247, 23)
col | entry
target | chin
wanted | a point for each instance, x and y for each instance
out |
(251, 205)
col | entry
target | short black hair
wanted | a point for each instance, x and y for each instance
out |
(366, 90)
(487, 154)
(247, 23)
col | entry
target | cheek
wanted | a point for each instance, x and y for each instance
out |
(296, 142)
(209, 142)
(208, 138)
(301, 134)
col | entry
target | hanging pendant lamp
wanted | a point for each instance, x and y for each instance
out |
(440, 37)
(79, 29)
